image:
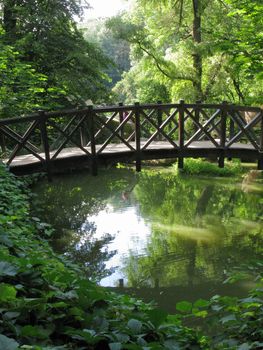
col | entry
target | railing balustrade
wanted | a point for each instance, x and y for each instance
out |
(137, 129)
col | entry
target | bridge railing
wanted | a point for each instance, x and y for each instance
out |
(46, 136)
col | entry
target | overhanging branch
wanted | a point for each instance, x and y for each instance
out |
(161, 69)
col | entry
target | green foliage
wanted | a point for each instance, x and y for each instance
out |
(47, 303)
(51, 45)
(117, 50)
(22, 88)
(203, 167)
(186, 47)
(233, 323)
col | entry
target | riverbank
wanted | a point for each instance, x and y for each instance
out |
(47, 303)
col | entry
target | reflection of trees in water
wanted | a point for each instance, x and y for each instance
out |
(67, 203)
(91, 253)
(199, 230)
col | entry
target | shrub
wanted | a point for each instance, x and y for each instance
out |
(203, 167)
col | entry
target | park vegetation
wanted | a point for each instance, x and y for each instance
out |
(47, 302)
(160, 50)
(209, 50)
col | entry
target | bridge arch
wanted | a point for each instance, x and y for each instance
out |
(53, 141)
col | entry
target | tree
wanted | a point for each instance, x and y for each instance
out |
(22, 88)
(117, 50)
(186, 45)
(245, 49)
(46, 35)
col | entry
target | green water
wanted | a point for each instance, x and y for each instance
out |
(169, 237)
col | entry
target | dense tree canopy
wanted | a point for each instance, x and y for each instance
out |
(208, 50)
(47, 41)
(161, 50)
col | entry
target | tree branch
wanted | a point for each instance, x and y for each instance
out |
(158, 65)
(238, 90)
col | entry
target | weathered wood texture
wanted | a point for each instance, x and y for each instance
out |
(54, 141)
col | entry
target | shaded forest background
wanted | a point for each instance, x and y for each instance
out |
(161, 50)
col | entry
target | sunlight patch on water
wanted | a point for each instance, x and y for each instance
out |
(130, 232)
(190, 232)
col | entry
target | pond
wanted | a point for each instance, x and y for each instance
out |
(167, 237)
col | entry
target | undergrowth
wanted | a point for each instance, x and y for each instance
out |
(203, 167)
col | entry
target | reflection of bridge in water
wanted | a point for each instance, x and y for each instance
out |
(55, 141)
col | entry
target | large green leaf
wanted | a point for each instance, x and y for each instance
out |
(135, 325)
(7, 269)
(201, 303)
(36, 332)
(228, 318)
(8, 343)
(157, 316)
(7, 292)
(115, 346)
(184, 306)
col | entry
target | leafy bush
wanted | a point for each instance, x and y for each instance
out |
(233, 323)
(47, 303)
(202, 167)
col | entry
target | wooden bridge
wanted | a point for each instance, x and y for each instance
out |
(51, 141)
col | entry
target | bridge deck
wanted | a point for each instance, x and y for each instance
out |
(120, 152)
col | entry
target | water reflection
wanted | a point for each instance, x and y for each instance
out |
(200, 229)
(74, 205)
(168, 230)
(131, 233)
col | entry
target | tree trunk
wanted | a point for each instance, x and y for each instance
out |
(9, 20)
(197, 57)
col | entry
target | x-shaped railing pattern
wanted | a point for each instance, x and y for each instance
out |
(137, 128)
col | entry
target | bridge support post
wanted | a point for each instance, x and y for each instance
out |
(83, 135)
(2, 142)
(44, 137)
(181, 134)
(138, 137)
(221, 159)
(159, 119)
(94, 165)
(260, 159)
(121, 118)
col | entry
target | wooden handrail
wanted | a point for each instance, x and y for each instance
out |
(31, 117)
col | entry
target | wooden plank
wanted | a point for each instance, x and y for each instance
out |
(32, 117)
(158, 131)
(159, 146)
(22, 144)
